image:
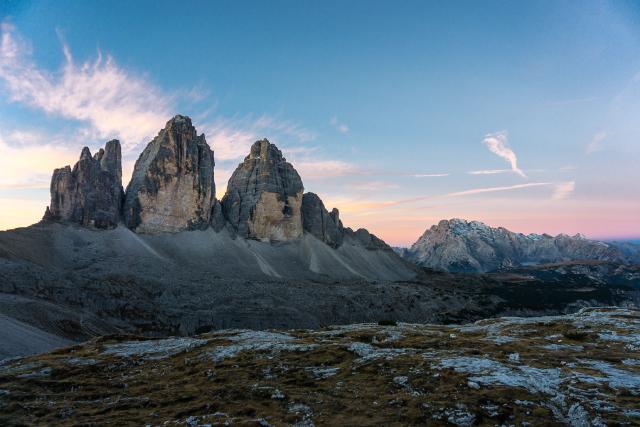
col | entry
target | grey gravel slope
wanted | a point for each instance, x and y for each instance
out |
(193, 254)
(21, 339)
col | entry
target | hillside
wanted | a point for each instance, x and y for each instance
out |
(576, 370)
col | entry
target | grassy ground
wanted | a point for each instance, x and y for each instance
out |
(581, 369)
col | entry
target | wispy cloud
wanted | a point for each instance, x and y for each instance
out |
(596, 143)
(114, 101)
(362, 205)
(229, 141)
(284, 127)
(325, 168)
(340, 127)
(497, 143)
(562, 190)
(489, 171)
(429, 175)
(231, 138)
(373, 186)
(495, 189)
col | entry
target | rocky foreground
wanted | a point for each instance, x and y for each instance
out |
(578, 370)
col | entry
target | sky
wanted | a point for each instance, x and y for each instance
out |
(524, 115)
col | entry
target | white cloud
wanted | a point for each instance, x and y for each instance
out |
(340, 127)
(231, 138)
(113, 101)
(489, 171)
(562, 190)
(324, 168)
(596, 143)
(495, 189)
(498, 145)
(284, 127)
(429, 175)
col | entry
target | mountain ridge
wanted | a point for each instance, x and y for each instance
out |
(172, 190)
(459, 245)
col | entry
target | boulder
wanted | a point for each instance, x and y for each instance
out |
(91, 193)
(264, 196)
(172, 187)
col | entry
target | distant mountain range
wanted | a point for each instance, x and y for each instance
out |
(458, 245)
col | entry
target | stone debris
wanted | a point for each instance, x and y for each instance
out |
(270, 342)
(153, 349)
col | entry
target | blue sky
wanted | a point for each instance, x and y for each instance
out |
(520, 114)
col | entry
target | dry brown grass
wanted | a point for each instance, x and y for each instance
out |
(266, 385)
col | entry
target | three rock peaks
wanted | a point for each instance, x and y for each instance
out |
(172, 189)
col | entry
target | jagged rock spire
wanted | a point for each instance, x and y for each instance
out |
(320, 223)
(172, 187)
(90, 194)
(264, 196)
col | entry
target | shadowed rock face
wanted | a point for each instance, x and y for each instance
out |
(319, 222)
(172, 187)
(264, 196)
(90, 194)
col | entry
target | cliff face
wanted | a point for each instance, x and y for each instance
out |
(320, 223)
(264, 196)
(91, 193)
(471, 246)
(172, 187)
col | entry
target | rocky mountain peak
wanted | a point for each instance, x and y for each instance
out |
(110, 157)
(460, 245)
(320, 223)
(172, 187)
(180, 123)
(264, 196)
(91, 193)
(85, 154)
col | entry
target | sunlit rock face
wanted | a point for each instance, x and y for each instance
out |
(172, 187)
(264, 196)
(91, 193)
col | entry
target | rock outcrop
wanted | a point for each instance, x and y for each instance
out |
(91, 193)
(471, 246)
(368, 240)
(322, 224)
(172, 187)
(264, 196)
